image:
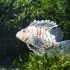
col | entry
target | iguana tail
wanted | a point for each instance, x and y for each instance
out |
(64, 47)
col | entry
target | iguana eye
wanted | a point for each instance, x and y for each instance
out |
(23, 30)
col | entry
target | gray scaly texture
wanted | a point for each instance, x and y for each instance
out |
(40, 45)
(51, 26)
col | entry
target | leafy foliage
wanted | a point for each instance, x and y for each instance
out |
(17, 14)
(45, 63)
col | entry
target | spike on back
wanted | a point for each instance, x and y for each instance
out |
(44, 23)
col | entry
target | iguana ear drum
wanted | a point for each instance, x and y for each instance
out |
(42, 35)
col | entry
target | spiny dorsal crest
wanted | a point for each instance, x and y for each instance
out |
(44, 23)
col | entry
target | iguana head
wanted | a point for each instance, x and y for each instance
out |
(22, 35)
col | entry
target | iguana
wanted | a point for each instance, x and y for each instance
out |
(41, 35)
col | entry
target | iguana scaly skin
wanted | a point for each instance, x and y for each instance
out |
(42, 35)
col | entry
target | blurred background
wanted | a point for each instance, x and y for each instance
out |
(18, 14)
